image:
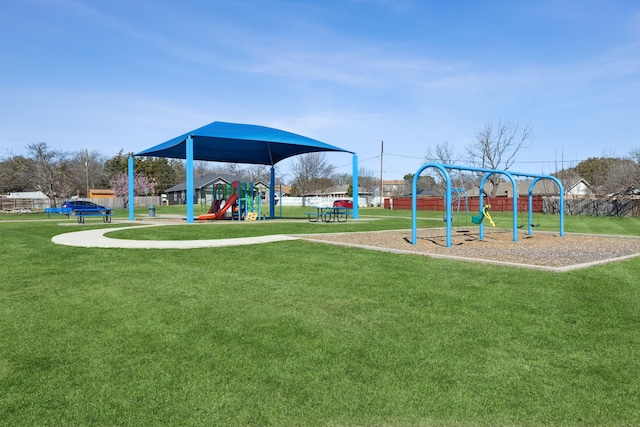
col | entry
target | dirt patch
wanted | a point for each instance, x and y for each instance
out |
(541, 250)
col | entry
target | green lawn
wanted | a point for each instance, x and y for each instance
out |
(297, 333)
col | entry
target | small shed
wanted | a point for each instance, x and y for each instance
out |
(101, 193)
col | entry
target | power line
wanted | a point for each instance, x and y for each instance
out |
(530, 162)
(520, 162)
(359, 161)
(551, 161)
(404, 156)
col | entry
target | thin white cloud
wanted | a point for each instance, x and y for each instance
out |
(302, 68)
(394, 5)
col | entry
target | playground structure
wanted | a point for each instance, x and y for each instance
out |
(484, 212)
(235, 201)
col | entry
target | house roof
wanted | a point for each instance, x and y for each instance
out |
(286, 189)
(204, 181)
(576, 183)
(334, 189)
(542, 188)
(425, 192)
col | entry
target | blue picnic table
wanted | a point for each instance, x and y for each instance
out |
(329, 214)
(81, 214)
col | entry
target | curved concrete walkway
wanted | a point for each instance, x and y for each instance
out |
(97, 239)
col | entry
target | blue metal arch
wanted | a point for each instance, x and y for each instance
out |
(538, 177)
(414, 188)
(514, 194)
(530, 199)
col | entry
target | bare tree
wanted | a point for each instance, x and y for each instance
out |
(253, 173)
(234, 169)
(86, 170)
(496, 147)
(634, 155)
(50, 171)
(54, 172)
(15, 174)
(442, 153)
(622, 176)
(341, 178)
(311, 171)
(323, 184)
(201, 168)
(367, 182)
(259, 173)
(446, 154)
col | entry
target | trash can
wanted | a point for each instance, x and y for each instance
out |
(152, 210)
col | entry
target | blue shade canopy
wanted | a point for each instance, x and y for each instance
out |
(239, 143)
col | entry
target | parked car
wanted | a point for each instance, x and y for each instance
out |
(84, 206)
(343, 203)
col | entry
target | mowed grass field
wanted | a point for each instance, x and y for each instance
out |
(298, 333)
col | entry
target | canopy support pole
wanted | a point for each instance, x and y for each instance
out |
(131, 192)
(190, 184)
(272, 193)
(355, 185)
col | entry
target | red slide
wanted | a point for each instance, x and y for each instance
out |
(217, 215)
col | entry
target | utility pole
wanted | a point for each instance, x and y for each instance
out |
(381, 181)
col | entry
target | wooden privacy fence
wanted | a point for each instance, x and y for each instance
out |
(16, 204)
(498, 204)
(119, 202)
(620, 206)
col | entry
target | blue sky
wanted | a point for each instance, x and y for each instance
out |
(121, 74)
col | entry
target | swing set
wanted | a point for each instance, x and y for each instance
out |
(484, 212)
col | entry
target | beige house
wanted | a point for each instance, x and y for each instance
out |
(394, 187)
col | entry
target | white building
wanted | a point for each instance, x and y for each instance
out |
(28, 195)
